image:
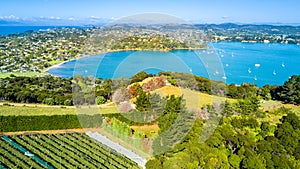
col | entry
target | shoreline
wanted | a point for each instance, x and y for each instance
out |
(116, 50)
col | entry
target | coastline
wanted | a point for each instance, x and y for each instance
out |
(117, 50)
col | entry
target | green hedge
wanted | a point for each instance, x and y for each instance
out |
(55, 122)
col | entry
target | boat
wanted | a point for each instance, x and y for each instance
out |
(274, 73)
(249, 70)
(283, 65)
(224, 77)
(257, 65)
(255, 78)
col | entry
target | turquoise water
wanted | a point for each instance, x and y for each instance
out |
(241, 62)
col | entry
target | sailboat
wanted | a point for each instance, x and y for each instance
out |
(249, 70)
(274, 73)
(257, 65)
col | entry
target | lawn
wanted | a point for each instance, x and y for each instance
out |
(271, 105)
(38, 109)
(193, 98)
(27, 74)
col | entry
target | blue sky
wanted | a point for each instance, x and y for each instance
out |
(208, 11)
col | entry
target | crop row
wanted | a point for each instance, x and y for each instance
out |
(66, 150)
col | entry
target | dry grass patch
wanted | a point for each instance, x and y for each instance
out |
(149, 130)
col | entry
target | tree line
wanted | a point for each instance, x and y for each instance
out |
(59, 91)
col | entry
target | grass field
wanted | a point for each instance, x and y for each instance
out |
(28, 74)
(149, 130)
(193, 99)
(38, 109)
(271, 105)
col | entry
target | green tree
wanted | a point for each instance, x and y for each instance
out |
(234, 161)
(139, 77)
(68, 102)
(290, 91)
(173, 107)
(254, 162)
(142, 102)
(100, 100)
(153, 164)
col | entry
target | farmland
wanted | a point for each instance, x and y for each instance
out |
(64, 150)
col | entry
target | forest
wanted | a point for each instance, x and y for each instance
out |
(58, 91)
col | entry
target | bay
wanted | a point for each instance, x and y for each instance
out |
(255, 63)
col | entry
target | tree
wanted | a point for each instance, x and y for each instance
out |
(100, 100)
(265, 92)
(265, 128)
(49, 101)
(68, 102)
(134, 90)
(254, 162)
(227, 109)
(290, 91)
(173, 107)
(142, 102)
(234, 161)
(248, 106)
(288, 132)
(120, 95)
(153, 164)
(139, 77)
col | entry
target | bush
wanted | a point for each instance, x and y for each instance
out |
(100, 100)
(68, 102)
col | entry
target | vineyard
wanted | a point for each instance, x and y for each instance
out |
(67, 150)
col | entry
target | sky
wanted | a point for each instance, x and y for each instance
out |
(208, 11)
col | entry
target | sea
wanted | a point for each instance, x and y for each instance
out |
(231, 62)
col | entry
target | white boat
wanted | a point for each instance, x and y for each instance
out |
(249, 70)
(224, 77)
(255, 78)
(274, 73)
(283, 65)
(227, 65)
(257, 65)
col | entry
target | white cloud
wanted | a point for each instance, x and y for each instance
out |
(54, 17)
(10, 17)
(71, 19)
(94, 17)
